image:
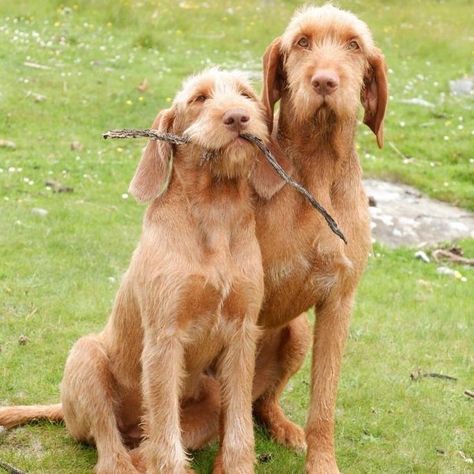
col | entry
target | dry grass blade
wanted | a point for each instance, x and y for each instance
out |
(168, 137)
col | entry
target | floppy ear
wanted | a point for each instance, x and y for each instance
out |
(374, 95)
(151, 175)
(264, 178)
(272, 78)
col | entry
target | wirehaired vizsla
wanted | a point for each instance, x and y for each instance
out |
(320, 69)
(192, 293)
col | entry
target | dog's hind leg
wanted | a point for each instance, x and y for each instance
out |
(281, 354)
(200, 415)
(88, 395)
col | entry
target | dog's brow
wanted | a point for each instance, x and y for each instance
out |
(225, 87)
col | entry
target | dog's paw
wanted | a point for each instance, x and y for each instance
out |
(119, 465)
(288, 434)
(321, 463)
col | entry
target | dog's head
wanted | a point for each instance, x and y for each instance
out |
(327, 62)
(213, 109)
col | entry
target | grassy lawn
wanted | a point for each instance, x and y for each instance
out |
(70, 70)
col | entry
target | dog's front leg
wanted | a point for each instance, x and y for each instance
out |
(236, 454)
(163, 360)
(330, 334)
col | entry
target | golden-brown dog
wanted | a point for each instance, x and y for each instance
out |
(192, 292)
(320, 69)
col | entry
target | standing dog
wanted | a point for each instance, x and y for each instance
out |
(192, 293)
(322, 66)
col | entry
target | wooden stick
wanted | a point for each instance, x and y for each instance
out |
(439, 376)
(439, 254)
(168, 137)
(283, 175)
(147, 133)
(418, 374)
(10, 469)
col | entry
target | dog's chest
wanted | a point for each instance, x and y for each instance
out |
(209, 333)
(297, 282)
(305, 265)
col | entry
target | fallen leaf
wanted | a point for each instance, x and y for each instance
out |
(58, 187)
(143, 86)
(76, 145)
(7, 144)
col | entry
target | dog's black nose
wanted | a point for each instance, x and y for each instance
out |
(325, 82)
(236, 119)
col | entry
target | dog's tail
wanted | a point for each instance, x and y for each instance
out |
(19, 415)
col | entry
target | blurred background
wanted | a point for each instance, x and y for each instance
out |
(71, 70)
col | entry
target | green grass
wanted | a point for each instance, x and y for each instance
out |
(59, 274)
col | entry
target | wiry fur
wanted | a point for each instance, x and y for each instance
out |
(305, 264)
(191, 294)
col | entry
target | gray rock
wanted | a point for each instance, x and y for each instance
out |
(405, 217)
(462, 86)
(420, 255)
(38, 211)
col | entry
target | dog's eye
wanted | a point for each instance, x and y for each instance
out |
(200, 98)
(303, 42)
(353, 45)
(246, 94)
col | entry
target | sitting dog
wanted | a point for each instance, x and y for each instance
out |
(192, 293)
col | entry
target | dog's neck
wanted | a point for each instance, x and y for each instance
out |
(322, 149)
(208, 196)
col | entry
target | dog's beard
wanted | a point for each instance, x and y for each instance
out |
(323, 112)
(324, 116)
(234, 160)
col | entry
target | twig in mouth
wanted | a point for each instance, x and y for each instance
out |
(288, 179)
(168, 137)
(147, 133)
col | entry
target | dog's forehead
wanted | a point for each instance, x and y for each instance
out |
(326, 22)
(212, 82)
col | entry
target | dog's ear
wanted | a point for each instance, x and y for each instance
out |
(374, 94)
(153, 171)
(264, 178)
(272, 78)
